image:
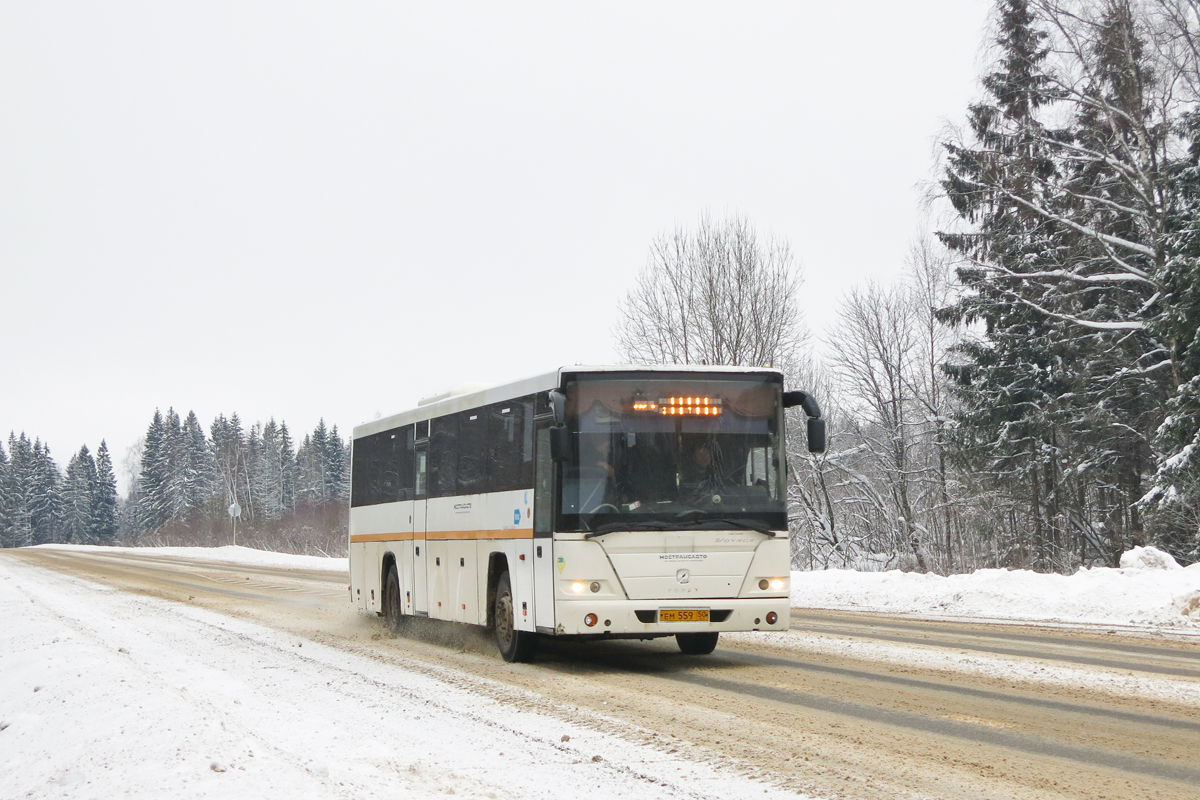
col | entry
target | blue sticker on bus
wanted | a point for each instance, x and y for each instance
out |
(516, 516)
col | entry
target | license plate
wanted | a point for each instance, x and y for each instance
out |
(683, 615)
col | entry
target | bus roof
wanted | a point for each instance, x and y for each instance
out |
(473, 397)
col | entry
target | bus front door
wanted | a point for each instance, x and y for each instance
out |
(543, 532)
(420, 582)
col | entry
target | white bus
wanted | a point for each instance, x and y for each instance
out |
(605, 502)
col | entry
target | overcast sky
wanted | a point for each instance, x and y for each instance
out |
(302, 210)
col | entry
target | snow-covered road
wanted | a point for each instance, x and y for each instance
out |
(108, 694)
(172, 674)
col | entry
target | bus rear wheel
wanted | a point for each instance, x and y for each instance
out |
(391, 602)
(514, 645)
(697, 644)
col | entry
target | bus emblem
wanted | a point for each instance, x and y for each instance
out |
(683, 576)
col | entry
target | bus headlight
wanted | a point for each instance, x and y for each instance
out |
(577, 587)
(777, 584)
(595, 587)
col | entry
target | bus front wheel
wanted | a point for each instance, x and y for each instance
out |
(697, 644)
(514, 645)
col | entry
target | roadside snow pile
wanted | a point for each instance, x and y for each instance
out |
(1150, 588)
(228, 553)
(1148, 558)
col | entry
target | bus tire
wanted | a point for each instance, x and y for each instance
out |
(391, 602)
(514, 645)
(697, 644)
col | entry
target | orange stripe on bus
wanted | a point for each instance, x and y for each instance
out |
(516, 533)
(513, 533)
(381, 537)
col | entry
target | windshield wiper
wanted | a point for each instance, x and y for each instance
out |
(610, 527)
(748, 524)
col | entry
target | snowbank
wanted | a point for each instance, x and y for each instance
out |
(229, 553)
(1149, 589)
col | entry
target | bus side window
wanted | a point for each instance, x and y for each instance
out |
(443, 456)
(472, 453)
(404, 457)
(510, 445)
(379, 468)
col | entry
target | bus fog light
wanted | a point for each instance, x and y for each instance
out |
(763, 584)
(590, 620)
(777, 583)
(772, 617)
(595, 587)
(577, 587)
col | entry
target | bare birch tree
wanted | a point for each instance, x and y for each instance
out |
(717, 295)
(874, 346)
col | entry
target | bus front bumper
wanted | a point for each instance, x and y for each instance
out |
(628, 618)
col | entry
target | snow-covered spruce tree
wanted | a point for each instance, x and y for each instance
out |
(174, 498)
(337, 466)
(253, 511)
(104, 499)
(1142, 83)
(196, 465)
(43, 496)
(314, 477)
(288, 470)
(20, 470)
(78, 491)
(273, 469)
(1009, 379)
(1085, 279)
(323, 463)
(6, 500)
(229, 453)
(152, 476)
(1173, 501)
(264, 477)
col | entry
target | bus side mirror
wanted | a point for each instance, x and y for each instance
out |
(804, 400)
(558, 404)
(560, 443)
(816, 435)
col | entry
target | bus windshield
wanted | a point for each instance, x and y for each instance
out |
(654, 452)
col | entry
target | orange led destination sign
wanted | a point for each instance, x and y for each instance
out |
(682, 406)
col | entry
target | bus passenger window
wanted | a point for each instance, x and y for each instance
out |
(443, 456)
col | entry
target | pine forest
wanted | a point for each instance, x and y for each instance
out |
(184, 483)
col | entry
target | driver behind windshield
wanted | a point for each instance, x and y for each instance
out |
(701, 473)
(609, 492)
